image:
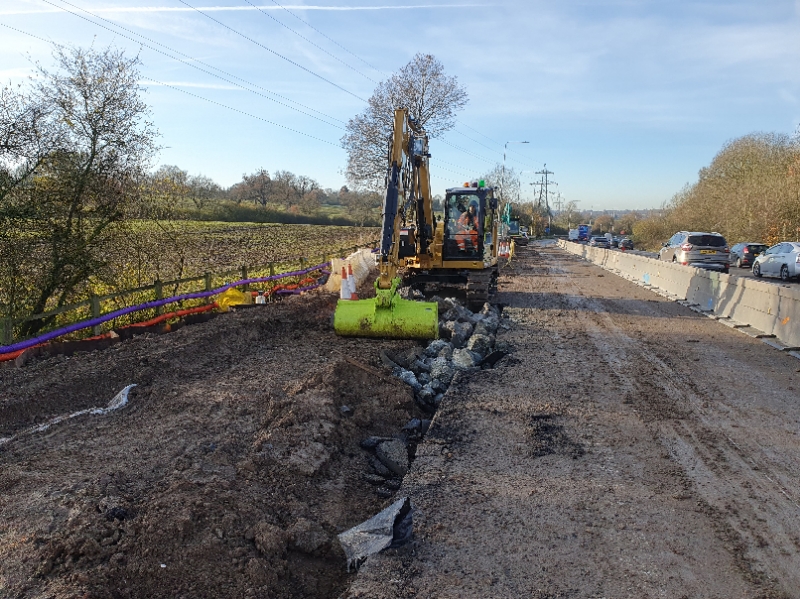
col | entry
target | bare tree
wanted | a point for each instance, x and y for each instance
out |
(507, 180)
(256, 188)
(90, 174)
(202, 189)
(362, 206)
(284, 190)
(432, 98)
(27, 135)
(311, 201)
(755, 178)
(171, 183)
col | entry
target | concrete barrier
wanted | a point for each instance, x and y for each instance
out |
(773, 309)
(363, 263)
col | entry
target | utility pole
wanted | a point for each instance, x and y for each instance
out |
(545, 174)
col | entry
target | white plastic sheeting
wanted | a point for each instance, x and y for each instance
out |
(120, 400)
(390, 528)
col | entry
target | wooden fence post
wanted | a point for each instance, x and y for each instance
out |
(302, 263)
(272, 269)
(97, 329)
(5, 332)
(244, 276)
(159, 289)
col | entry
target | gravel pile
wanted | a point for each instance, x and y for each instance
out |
(467, 343)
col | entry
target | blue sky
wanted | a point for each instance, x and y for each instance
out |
(623, 100)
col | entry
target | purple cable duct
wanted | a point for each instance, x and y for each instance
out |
(7, 349)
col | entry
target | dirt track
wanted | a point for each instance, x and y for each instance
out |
(631, 448)
(628, 448)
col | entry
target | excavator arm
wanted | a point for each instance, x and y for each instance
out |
(408, 180)
(408, 155)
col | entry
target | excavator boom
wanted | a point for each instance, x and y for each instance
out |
(388, 315)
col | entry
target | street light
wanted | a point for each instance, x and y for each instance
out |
(503, 178)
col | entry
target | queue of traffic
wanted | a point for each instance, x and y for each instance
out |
(710, 250)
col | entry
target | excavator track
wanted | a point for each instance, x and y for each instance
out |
(481, 286)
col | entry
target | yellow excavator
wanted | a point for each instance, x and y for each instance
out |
(457, 249)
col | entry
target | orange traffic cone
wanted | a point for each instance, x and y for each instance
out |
(344, 290)
(351, 280)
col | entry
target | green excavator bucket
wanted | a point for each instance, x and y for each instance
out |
(388, 316)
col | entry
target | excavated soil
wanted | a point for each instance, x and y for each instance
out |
(628, 447)
(228, 474)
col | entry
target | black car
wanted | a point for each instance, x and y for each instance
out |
(625, 244)
(744, 254)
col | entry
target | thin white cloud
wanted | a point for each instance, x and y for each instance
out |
(156, 9)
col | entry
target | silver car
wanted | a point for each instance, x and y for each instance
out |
(695, 248)
(781, 260)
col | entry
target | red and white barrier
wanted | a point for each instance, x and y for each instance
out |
(344, 289)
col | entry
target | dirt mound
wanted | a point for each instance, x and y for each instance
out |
(228, 474)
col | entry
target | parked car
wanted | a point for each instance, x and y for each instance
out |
(699, 249)
(614, 242)
(744, 254)
(599, 241)
(781, 260)
(626, 243)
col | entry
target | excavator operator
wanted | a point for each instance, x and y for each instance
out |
(467, 229)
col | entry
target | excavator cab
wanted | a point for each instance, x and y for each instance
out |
(465, 214)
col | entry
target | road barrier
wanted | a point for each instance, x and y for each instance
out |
(361, 261)
(768, 307)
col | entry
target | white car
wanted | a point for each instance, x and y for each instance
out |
(781, 260)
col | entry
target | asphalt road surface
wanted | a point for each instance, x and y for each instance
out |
(628, 448)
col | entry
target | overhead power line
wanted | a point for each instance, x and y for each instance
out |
(325, 141)
(499, 145)
(301, 36)
(315, 74)
(377, 70)
(191, 60)
(271, 51)
(183, 91)
(465, 151)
